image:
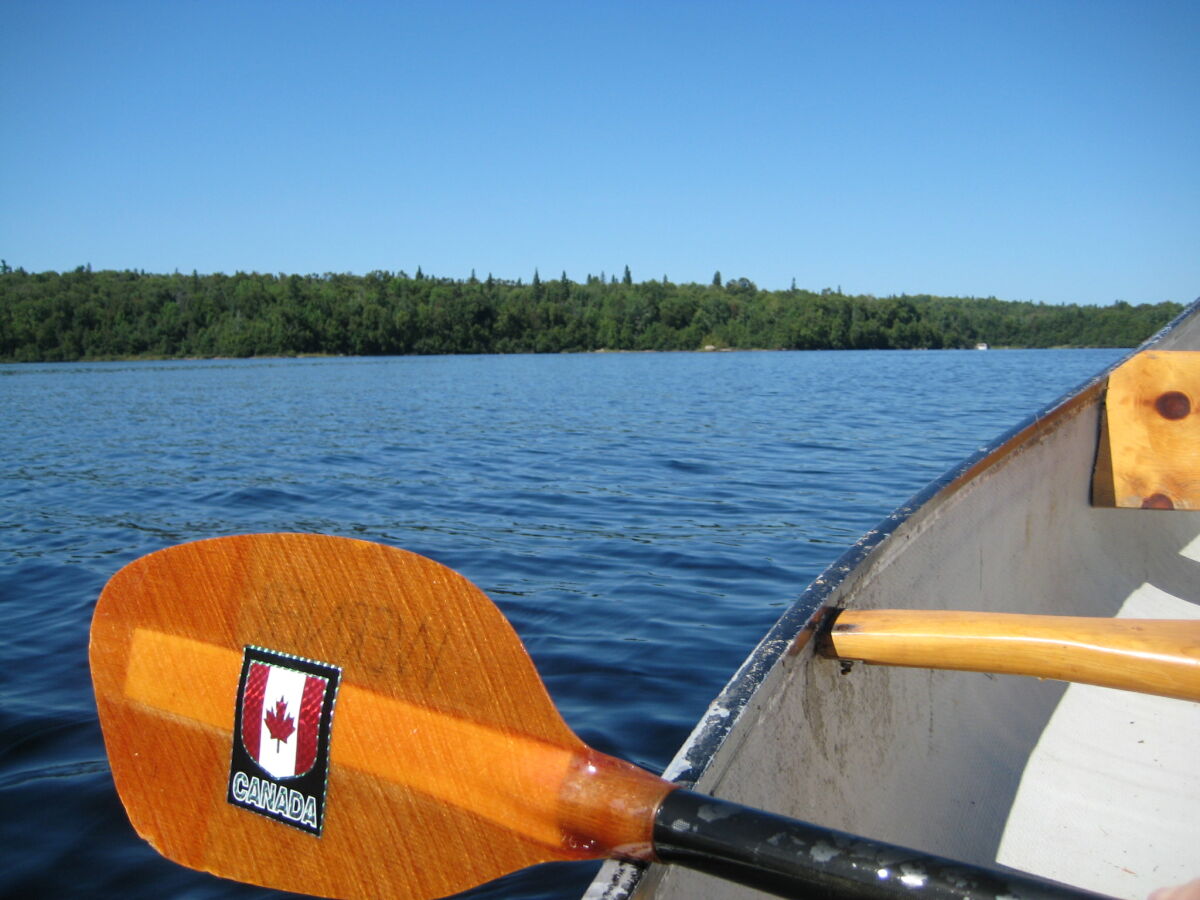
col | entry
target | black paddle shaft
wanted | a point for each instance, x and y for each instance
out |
(794, 859)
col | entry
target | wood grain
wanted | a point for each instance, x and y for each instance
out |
(1149, 454)
(449, 764)
(1152, 656)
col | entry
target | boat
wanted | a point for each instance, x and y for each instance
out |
(1090, 786)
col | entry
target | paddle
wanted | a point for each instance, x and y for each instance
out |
(1150, 656)
(336, 717)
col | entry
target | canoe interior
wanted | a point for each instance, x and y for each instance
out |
(1093, 787)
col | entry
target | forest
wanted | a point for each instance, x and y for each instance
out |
(86, 315)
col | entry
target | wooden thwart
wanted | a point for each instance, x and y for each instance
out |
(1151, 656)
(1149, 454)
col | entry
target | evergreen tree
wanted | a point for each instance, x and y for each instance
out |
(104, 314)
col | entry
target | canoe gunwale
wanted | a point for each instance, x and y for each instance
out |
(790, 636)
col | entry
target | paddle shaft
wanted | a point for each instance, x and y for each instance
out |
(1152, 656)
(790, 858)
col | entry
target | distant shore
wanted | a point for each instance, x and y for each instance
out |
(123, 316)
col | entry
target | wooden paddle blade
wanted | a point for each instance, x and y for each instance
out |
(336, 717)
(1151, 656)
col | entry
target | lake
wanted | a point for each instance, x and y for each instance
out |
(641, 518)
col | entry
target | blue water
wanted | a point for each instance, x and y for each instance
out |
(641, 518)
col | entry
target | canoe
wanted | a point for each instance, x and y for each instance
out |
(1094, 787)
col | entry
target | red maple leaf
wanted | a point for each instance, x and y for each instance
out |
(279, 723)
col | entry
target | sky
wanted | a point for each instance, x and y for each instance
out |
(1045, 151)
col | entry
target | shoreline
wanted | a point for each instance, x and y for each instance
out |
(601, 351)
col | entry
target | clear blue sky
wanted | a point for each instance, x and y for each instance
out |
(1029, 150)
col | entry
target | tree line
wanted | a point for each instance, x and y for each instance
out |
(86, 315)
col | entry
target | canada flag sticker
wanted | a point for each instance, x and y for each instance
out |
(280, 761)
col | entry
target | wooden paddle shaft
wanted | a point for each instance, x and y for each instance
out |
(1152, 656)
